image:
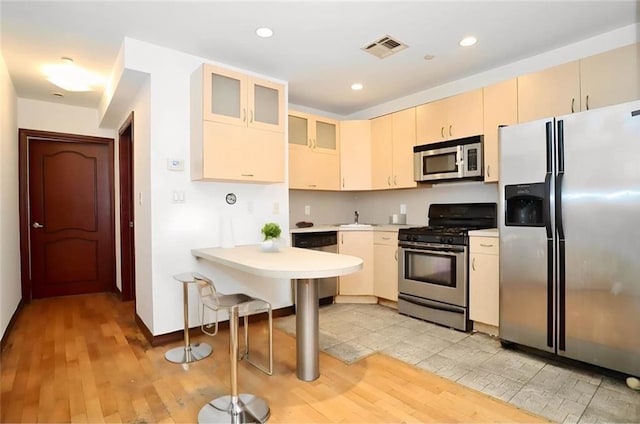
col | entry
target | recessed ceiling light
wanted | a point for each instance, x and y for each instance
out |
(428, 57)
(264, 32)
(468, 41)
(356, 86)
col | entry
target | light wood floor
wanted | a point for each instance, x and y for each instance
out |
(82, 359)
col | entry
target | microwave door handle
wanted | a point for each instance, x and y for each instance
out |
(460, 151)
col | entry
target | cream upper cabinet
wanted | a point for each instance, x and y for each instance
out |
(314, 152)
(355, 155)
(381, 151)
(403, 136)
(236, 136)
(484, 280)
(552, 92)
(385, 265)
(447, 119)
(360, 244)
(231, 97)
(610, 78)
(500, 108)
(392, 141)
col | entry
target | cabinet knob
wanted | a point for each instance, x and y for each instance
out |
(396, 255)
(473, 264)
(486, 245)
(489, 171)
(587, 102)
(450, 132)
(395, 180)
(246, 175)
(442, 132)
(244, 115)
(389, 180)
(573, 102)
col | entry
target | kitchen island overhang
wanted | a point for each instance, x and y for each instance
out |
(303, 265)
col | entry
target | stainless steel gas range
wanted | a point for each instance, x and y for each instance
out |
(433, 263)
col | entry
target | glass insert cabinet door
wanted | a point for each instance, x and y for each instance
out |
(314, 132)
(234, 98)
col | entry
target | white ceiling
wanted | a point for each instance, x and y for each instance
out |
(316, 45)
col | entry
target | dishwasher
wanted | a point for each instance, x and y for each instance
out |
(326, 241)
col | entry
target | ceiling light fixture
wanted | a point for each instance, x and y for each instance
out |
(429, 57)
(356, 86)
(264, 32)
(70, 77)
(468, 41)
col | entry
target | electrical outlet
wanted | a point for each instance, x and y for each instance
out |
(276, 208)
(307, 210)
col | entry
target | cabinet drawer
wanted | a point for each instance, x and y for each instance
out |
(486, 245)
(385, 237)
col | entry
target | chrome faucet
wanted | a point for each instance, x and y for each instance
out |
(355, 218)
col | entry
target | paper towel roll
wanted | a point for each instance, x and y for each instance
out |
(226, 232)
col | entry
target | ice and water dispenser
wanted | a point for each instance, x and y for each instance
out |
(524, 205)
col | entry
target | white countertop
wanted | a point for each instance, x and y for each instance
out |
(489, 232)
(373, 227)
(289, 262)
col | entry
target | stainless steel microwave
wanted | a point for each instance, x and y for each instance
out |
(459, 159)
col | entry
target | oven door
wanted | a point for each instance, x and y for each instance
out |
(435, 272)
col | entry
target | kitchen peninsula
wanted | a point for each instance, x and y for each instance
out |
(303, 265)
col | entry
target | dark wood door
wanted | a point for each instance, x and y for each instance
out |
(127, 240)
(71, 229)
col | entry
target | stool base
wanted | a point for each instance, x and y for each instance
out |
(248, 409)
(182, 355)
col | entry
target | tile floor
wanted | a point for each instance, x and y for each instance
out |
(557, 391)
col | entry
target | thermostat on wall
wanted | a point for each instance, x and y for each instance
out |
(175, 164)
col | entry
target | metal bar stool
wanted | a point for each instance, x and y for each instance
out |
(190, 352)
(235, 408)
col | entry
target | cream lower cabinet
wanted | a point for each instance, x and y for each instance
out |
(360, 244)
(385, 265)
(484, 280)
(500, 108)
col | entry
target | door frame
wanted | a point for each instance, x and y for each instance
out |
(23, 195)
(127, 238)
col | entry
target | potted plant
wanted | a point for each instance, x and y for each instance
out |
(271, 232)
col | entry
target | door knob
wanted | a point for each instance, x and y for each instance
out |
(37, 225)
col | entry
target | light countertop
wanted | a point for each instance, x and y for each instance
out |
(489, 232)
(373, 227)
(289, 262)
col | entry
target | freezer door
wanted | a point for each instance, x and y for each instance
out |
(600, 218)
(526, 252)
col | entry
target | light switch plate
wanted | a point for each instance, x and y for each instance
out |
(175, 164)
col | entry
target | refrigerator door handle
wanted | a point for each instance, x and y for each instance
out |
(561, 240)
(547, 205)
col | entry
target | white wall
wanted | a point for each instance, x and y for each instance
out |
(175, 229)
(57, 117)
(10, 289)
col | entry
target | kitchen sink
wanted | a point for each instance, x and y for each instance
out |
(356, 225)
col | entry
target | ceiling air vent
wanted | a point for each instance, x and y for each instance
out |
(385, 46)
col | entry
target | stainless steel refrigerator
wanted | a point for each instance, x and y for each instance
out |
(569, 219)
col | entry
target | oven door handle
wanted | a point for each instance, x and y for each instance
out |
(435, 248)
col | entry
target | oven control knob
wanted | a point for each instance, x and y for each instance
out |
(450, 240)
